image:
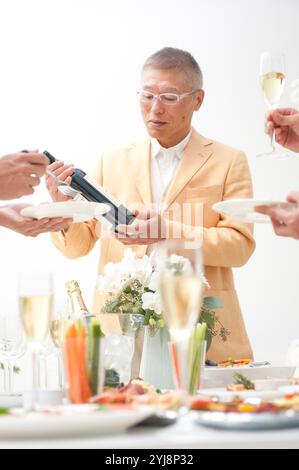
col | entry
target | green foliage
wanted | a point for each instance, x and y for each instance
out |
(214, 325)
(212, 302)
(241, 379)
(111, 378)
(129, 300)
(16, 369)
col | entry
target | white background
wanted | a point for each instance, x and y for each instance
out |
(69, 71)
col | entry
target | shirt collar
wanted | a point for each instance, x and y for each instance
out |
(177, 149)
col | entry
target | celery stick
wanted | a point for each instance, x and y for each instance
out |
(196, 343)
(95, 334)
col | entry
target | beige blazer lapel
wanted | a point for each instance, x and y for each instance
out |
(197, 152)
(139, 156)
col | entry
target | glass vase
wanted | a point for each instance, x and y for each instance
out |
(121, 333)
(156, 367)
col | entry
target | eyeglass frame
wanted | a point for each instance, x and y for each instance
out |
(158, 96)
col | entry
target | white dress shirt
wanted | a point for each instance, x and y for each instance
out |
(164, 163)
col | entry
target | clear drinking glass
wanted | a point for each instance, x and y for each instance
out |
(121, 332)
(272, 80)
(181, 287)
(59, 323)
(35, 294)
(12, 347)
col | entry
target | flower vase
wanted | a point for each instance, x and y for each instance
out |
(156, 367)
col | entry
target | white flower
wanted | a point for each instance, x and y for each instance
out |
(117, 275)
(152, 301)
(205, 281)
(114, 278)
(153, 282)
(180, 264)
(183, 265)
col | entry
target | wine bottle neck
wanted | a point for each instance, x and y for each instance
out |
(76, 302)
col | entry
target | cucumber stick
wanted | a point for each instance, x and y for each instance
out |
(94, 350)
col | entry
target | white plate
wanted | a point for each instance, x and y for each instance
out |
(79, 211)
(70, 420)
(226, 395)
(289, 389)
(243, 209)
(247, 421)
(221, 376)
(10, 401)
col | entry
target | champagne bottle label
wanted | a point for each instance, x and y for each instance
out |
(77, 307)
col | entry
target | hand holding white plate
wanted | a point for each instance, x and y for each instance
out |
(79, 211)
(244, 209)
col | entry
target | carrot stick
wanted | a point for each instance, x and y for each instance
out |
(72, 359)
(82, 365)
(176, 365)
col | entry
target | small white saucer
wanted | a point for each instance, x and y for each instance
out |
(243, 209)
(11, 401)
(79, 211)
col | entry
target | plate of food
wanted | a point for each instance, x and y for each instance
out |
(246, 414)
(70, 420)
(244, 209)
(248, 421)
(227, 395)
(165, 405)
(79, 211)
(223, 374)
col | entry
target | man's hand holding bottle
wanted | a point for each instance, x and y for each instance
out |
(63, 172)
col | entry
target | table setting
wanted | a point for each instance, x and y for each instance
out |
(94, 393)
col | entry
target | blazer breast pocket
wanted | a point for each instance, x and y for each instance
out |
(213, 193)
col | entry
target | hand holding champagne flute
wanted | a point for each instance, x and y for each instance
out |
(272, 80)
(35, 305)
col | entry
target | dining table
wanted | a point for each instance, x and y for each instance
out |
(185, 433)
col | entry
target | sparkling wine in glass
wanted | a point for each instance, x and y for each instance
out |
(181, 288)
(35, 315)
(182, 298)
(272, 80)
(35, 293)
(59, 324)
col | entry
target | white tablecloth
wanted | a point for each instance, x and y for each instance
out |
(185, 434)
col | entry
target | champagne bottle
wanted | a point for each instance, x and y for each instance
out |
(76, 305)
(118, 214)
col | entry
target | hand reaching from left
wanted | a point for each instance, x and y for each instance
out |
(10, 218)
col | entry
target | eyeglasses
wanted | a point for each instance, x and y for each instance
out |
(165, 98)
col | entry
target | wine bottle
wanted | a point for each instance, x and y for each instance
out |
(118, 214)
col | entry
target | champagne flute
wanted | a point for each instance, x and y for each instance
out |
(60, 321)
(35, 293)
(12, 347)
(272, 80)
(181, 288)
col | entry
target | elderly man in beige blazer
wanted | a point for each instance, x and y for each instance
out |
(174, 166)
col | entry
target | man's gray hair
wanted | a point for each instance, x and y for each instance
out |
(170, 58)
